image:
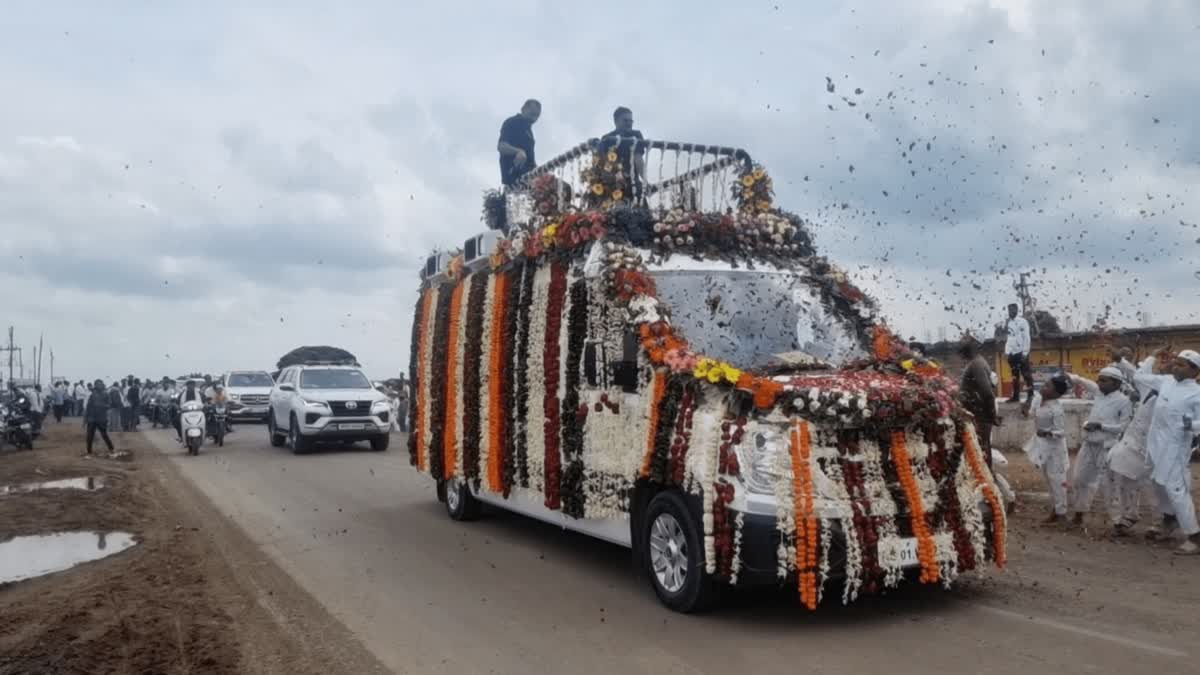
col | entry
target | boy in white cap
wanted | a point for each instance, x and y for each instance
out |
(1110, 414)
(1172, 430)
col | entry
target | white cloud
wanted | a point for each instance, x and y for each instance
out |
(176, 180)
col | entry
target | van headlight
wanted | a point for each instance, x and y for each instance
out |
(763, 461)
(310, 403)
(381, 405)
(759, 461)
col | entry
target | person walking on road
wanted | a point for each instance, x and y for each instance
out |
(80, 396)
(114, 406)
(1017, 348)
(58, 398)
(96, 416)
(1110, 415)
(1047, 450)
(1173, 429)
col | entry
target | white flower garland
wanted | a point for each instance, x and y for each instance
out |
(485, 379)
(426, 382)
(459, 344)
(883, 507)
(739, 523)
(785, 514)
(535, 424)
(854, 554)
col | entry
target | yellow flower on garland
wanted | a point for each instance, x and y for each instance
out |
(612, 156)
(617, 195)
(747, 193)
(597, 189)
(730, 373)
(759, 174)
(763, 205)
(549, 233)
(907, 364)
(702, 367)
(748, 180)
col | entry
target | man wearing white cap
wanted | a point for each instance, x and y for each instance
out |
(1111, 412)
(1172, 430)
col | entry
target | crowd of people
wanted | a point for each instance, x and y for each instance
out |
(1139, 436)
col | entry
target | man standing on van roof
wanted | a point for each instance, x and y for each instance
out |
(623, 138)
(516, 143)
(1017, 348)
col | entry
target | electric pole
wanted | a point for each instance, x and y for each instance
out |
(1028, 304)
(11, 349)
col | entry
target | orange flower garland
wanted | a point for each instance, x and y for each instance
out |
(926, 549)
(656, 397)
(998, 529)
(449, 451)
(496, 412)
(807, 546)
(422, 385)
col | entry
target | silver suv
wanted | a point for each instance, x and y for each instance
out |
(249, 393)
(312, 403)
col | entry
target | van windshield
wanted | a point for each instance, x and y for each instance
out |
(753, 317)
(250, 380)
(333, 379)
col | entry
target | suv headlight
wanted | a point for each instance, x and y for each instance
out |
(234, 397)
(310, 403)
(381, 405)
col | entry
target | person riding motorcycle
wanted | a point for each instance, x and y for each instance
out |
(219, 397)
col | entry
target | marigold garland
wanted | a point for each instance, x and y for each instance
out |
(437, 392)
(496, 369)
(657, 392)
(806, 521)
(449, 433)
(998, 516)
(754, 191)
(926, 549)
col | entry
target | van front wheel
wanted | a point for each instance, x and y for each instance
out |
(460, 503)
(674, 555)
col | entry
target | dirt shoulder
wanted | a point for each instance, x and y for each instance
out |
(194, 595)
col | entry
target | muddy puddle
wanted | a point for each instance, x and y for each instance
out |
(34, 556)
(88, 484)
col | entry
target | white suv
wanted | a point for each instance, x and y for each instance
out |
(312, 403)
(249, 393)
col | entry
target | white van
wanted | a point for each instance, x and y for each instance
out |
(693, 383)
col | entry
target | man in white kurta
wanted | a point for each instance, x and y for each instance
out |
(1169, 442)
(1110, 414)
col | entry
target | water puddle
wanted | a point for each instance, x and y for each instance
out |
(88, 484)
(28, 557)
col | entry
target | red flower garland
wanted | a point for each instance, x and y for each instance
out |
(866, 525)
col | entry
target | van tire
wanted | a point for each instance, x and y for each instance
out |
(277, 439)
(669, 519)
(300, 443)
(461, 505)
(380, 443)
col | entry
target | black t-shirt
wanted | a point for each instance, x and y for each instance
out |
(624, 150)
(517, 132)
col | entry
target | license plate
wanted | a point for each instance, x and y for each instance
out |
(193, 432)
(352, 427)
(907, 551)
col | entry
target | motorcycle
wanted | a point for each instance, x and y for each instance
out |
(217, 427)
(191, 425)
(18, 425)
(163, 413)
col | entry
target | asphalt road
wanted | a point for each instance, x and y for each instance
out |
(363, 533)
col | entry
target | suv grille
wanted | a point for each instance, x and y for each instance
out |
(254, 399)
(361, 409)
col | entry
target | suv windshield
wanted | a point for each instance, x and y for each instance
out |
(250, 380)
(746, 317)
(333, 379)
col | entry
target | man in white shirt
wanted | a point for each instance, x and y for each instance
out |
(1173, 428)
(80, 396)
(1110, 414)
(1017, 348)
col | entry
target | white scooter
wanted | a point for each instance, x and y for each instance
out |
(191, 424)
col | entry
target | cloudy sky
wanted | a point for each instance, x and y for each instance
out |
(203, 186)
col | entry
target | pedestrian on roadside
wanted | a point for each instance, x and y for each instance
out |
(58, 397)
(978, 396)
(114, 406)
(1172, 432)
(82, 392)
(37, 406)
(1017, 348)
(1110, 414)
(1047, 450)
(135, 404)
(96, 416)
(402, 406)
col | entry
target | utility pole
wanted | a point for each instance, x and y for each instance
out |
(11, 349)
(1028, 304)
(40, 351)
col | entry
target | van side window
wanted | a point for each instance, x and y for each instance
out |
(625, 371)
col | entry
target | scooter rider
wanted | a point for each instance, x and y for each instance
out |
(220, 398)
(190, 393)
